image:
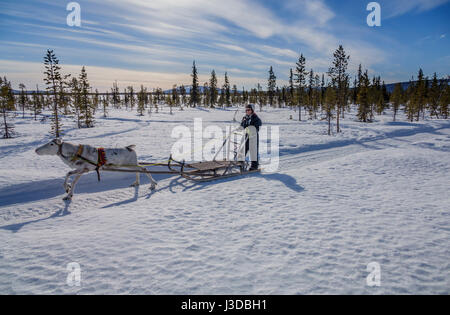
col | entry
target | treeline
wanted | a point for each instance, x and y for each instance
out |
(332, 96)
(324, 97)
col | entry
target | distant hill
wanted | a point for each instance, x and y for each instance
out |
(405, 85)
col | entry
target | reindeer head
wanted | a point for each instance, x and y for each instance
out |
(50, 148)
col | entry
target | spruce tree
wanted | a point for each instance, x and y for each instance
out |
(52, 79)
(213, 88)
(195, 93)
(227, 88)
(420, 95)
(339, 78)
(363, 98)
(397, 98)
(434, 96)
(271, 86)
(86, 107)
(301, 74)
(6, 106)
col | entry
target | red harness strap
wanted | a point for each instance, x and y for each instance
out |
(101, 157)
(101, 161)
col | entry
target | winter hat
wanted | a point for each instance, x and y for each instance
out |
(251, 106)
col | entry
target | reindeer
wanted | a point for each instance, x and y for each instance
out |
(84, 159)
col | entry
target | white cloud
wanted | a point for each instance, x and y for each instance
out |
(400, 7)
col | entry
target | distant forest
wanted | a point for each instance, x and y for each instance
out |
(312, 96)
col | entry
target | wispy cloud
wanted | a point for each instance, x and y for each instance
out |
(158, 37)
(400, 7)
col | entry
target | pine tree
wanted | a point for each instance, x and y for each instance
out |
(6, 106)
(301, 74)
(363, 98)
(271, 86)
(195, 93)
(397, 98)
(339, 79)
(86, 107)
(52, 79)
(227, 89)
(213, 87)
(434, 96)
(420, 95)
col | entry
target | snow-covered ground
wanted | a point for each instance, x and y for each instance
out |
(375, 193)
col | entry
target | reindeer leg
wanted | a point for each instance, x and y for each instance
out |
(75, 181)
(67, 186)
(137, 183)
(154, 183)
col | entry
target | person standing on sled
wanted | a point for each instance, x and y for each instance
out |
(251, 123)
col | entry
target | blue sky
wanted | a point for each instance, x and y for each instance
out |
(153, 42)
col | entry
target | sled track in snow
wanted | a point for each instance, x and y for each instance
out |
(314, 154)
